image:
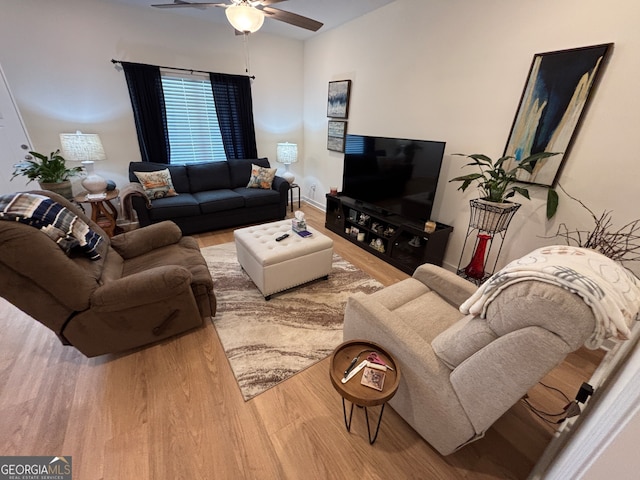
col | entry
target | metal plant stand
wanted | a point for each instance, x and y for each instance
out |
(488, 222)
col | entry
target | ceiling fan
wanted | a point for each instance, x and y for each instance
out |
(247, 16)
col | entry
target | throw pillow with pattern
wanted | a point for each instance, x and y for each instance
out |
(157, 184)
(261, 177)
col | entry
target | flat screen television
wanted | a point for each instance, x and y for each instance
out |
(392, 175)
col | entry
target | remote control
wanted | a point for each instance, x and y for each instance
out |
(282, 237)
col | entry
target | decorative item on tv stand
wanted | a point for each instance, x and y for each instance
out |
(491, 214)
(85, 148)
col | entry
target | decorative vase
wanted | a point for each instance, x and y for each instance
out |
(475, 269)
(61, 188)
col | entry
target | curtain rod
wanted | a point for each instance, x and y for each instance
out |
(252, 77)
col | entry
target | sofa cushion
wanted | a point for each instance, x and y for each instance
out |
(157, 184)
(462, 339)
(178, 173)
(168, 208)
(240, 170)
(208, 176)
(256, 197)
(218, 200)
(261, 177)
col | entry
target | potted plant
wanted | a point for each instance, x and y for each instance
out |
(492, 213)
(51, 172)
(499, 185)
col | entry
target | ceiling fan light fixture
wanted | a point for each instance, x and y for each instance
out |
(245, 18)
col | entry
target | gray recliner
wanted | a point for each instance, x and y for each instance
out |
(461, 373)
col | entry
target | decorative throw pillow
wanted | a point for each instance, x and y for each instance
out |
(261, 177)
(157, 184)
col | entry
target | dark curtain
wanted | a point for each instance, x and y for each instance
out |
(147, 99)
(234, 106)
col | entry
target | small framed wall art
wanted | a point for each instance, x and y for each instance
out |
(336, 134)
(338, 99)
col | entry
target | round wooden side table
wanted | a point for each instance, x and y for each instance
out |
(102, 210)
(353, 391)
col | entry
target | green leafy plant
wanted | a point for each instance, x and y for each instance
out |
(45, 169)
(499, 185)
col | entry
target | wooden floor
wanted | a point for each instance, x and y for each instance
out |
(174, 411)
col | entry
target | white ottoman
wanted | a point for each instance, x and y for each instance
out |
(277, 266)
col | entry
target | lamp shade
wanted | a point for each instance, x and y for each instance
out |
(287, 153)
(245, 18)
(82, 146)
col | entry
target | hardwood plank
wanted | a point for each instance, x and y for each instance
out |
(174, 410)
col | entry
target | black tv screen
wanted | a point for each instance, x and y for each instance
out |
(392, 175)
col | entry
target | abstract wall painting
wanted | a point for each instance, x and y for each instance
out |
(338, 99)
(336, 134)
(553, 103)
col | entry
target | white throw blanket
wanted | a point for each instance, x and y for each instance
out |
(612, 292)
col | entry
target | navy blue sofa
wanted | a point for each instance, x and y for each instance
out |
(211, 196)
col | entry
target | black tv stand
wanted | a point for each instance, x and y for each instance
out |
(397, 240)
(367, 207)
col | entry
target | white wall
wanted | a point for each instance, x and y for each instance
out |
(57, 59)
(454, 70)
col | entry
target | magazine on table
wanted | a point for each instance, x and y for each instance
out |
(373, 377)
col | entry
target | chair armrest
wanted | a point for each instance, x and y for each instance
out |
(448, 285)
(150, 286)
(143, 240)
(493, 379)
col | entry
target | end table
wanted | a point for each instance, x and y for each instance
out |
(102, 210)
(353, 390)
(291, 187)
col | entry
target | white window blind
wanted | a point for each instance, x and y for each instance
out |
(194, 133)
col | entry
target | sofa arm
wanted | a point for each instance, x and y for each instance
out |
(143, 240)
(281, 185)
(448, 285)
(150, 286)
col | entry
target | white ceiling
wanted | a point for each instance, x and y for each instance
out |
(330, 12)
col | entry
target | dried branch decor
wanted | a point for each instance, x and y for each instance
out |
(621, 244)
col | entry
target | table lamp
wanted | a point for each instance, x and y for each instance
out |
(287, 153)
(85, 148)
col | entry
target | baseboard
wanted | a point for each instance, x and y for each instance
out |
(314, 203)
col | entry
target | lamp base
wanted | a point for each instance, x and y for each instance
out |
(288, 176)
(93, 183)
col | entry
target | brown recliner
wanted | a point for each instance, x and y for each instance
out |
(149, 284)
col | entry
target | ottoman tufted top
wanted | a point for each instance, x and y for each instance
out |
(260, 242)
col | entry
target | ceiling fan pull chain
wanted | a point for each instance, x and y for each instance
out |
(247, 61)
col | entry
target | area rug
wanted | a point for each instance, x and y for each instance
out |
(267, 342)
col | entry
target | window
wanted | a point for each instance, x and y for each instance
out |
(354, 145)
(194, 133)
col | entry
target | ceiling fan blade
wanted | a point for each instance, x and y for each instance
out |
(181, 3)
(265, 3)
(292, 18)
